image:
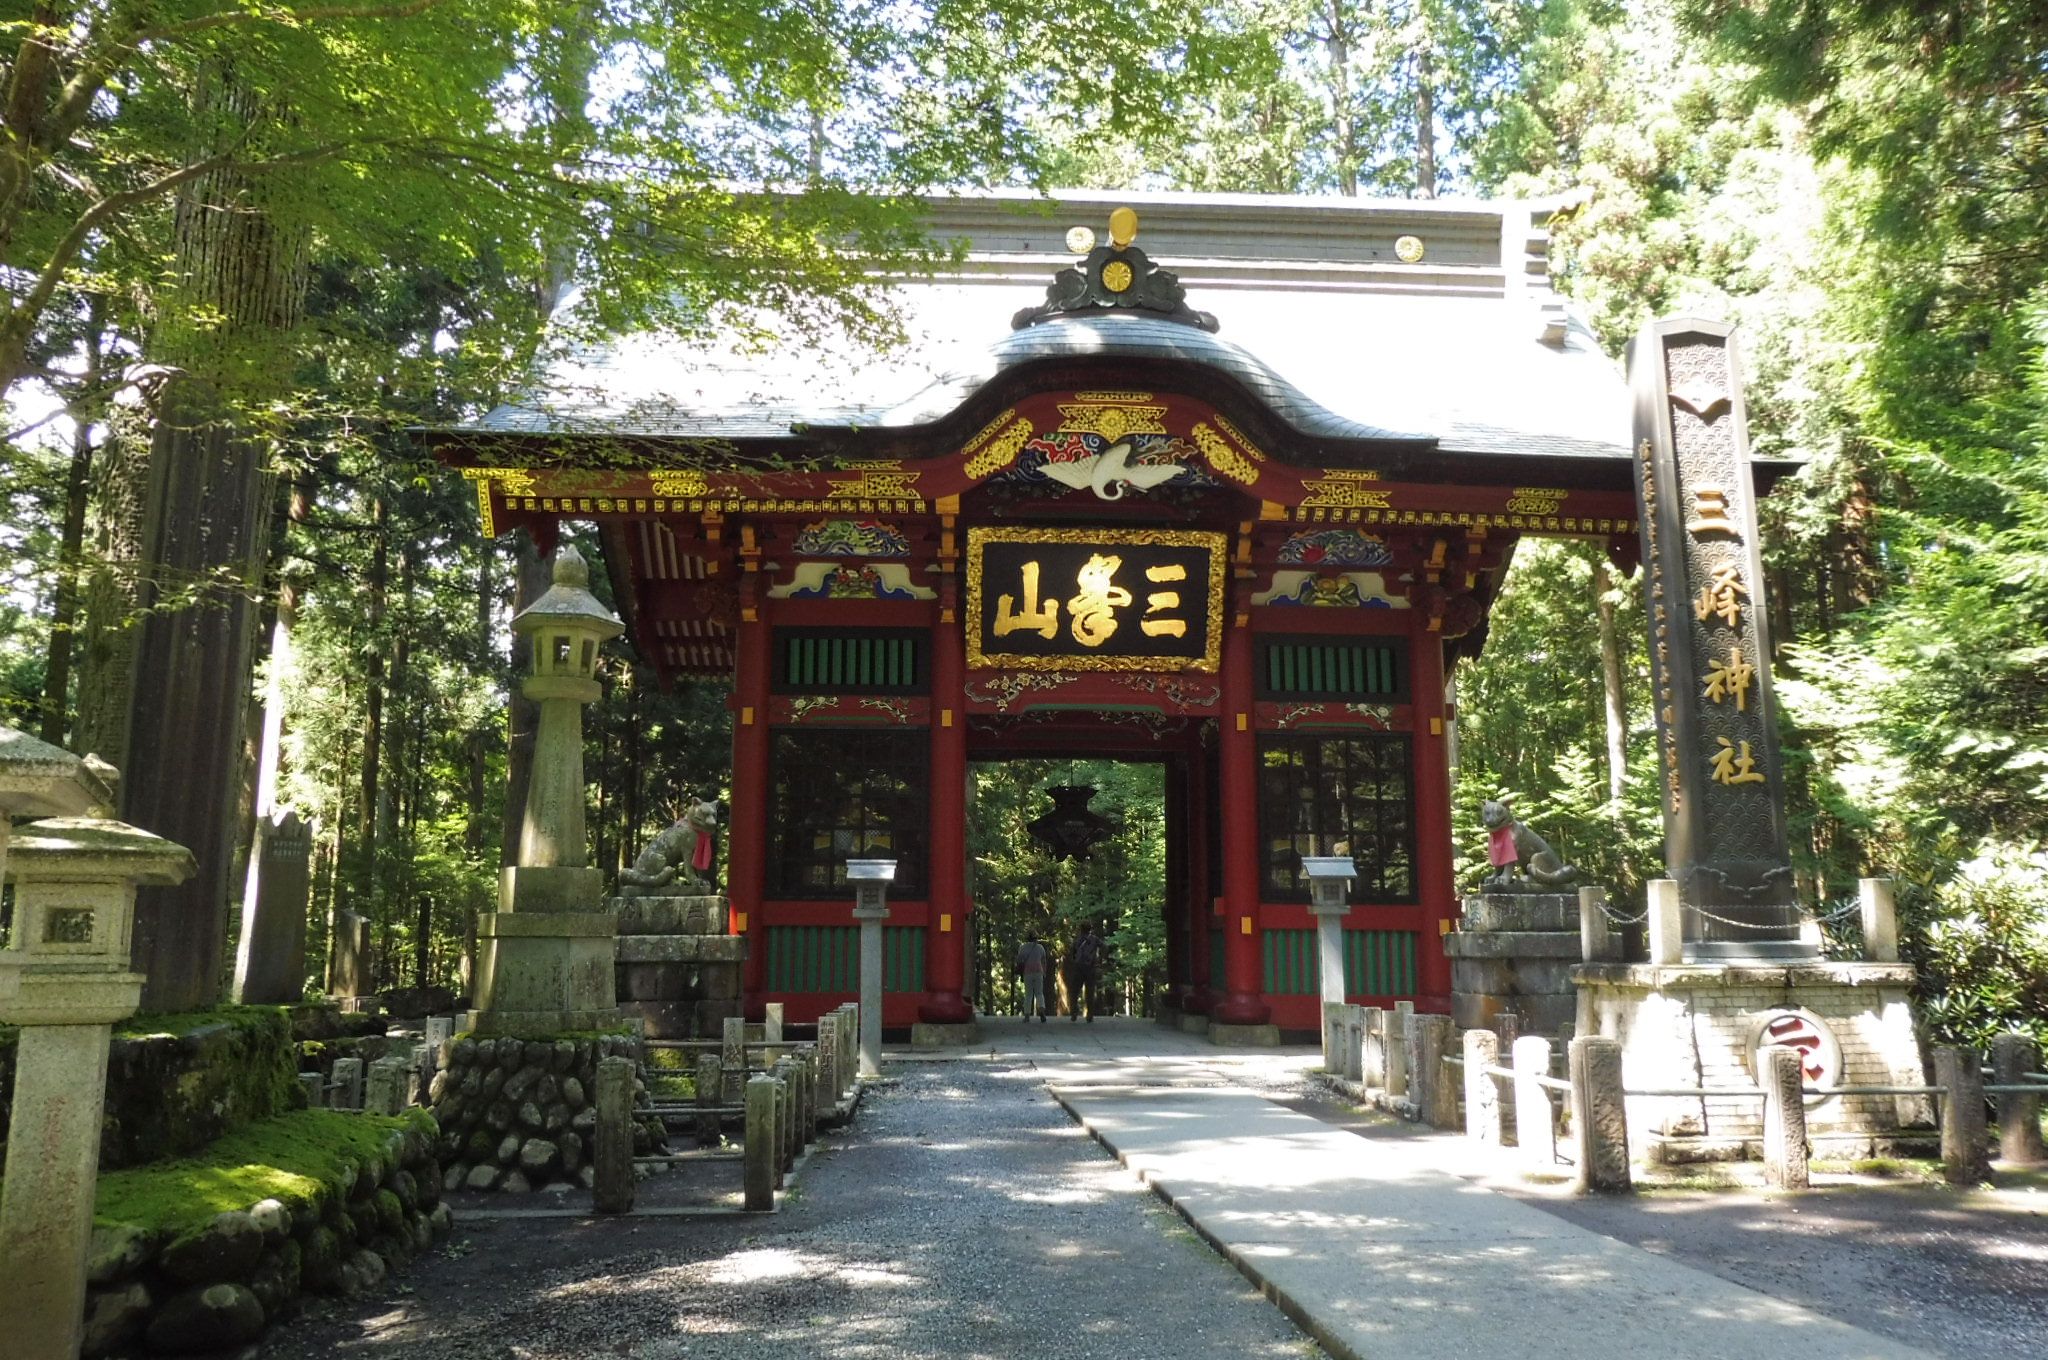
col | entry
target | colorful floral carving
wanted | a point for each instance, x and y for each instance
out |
(852, 538)
(1334, 548)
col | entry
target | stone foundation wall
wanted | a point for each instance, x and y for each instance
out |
(678, 971)
(1513, 953)
(520, 1114)
(220, 1285)
(1697, 1025)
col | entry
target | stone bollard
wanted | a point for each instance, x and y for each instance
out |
(2013, 1056)
(828, 1064)
(809, 1059)
(1597, 940)
(1354, 1040)
(348, 1084)
(419, 1075)
(1394, 1048)
(771, 1022)
(1535, 1120)
(385, 1090)
(759, 1173)
(710, 1093)
(1372, 1049)
(849, 1047)
(780, 1135)
(1436, 1097)
(1666, 923)
(1599, 1115)
(1780, 1075)
(1507, 1027)
(1880, 920)
(440, 1029)
(315, 1087)
(733, 1057)
(612, 1151)
(1482, 1092)
(1333, 1059)
(1965, 1158)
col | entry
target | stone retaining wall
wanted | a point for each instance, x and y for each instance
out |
(518, 1114)
(220, 1285)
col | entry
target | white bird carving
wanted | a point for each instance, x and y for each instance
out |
(1110, 472)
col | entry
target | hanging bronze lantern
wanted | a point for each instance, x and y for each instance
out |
(1070, 830)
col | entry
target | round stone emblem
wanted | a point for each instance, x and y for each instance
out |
(1408, 249)
(1080, 240)
(1820, 1054)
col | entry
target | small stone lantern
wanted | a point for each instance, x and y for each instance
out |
(548, 960)
(65, 979)
(1329, 898)
(871, 879)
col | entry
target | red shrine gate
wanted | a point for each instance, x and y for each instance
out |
(1125, 537)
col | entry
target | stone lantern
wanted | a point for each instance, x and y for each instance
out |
(547, 953)
(871, 879)
(65, 979)
(1329, 898)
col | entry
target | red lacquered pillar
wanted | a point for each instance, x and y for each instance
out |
(1243, 1002)
(1433, 881)
(945, 935)
(1173, 910)
(1200, 893)
(746, 876)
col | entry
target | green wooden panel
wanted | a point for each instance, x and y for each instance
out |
(1376, 963)
(1216, 965)
(826, 959)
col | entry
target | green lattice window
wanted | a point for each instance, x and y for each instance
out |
(838, 795)
(804, 959)
(1321, 795)
(1376, 963)
(849, 661)
(1364, 670)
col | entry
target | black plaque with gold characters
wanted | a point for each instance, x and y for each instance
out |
(1724, 802)
(1095, 599)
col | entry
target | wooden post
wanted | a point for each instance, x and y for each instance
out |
(945, 936)
(612, 1155)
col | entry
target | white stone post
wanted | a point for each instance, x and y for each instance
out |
(771, 1026)
(1667, 926)
(1354, 1042)
(1880, 920)
(1596, 936)
(1394, 1048)
(1535, 1120)
(871, 879)
(1373, 1048)
(1482, 1092)
(64, 979)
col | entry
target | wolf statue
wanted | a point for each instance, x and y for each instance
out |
(1510, 844)
(674, 863)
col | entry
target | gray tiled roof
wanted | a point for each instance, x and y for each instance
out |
(1340, 340)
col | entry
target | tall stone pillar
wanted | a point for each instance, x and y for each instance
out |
(1243, 1003)
(270, 960)
(945, 936)
(64, 979)
(548, 951)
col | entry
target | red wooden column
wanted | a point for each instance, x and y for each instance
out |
(1173, 911)
(945, 935)
(1200, 893)
(1432, 815)
(747, 874)
(1243, 1001)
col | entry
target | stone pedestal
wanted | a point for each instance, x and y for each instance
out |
(1701, 1025)
(678, 970)
(926, 1034)
(1243, 1036)
(1513, 954)
(547, 955)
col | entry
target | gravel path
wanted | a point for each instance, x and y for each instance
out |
(963, 1217)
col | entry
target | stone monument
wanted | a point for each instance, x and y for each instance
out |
(270, 960)
(547, 952)
(1731, 970)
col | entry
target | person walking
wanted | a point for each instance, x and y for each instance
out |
(1087, 973)
(1033, 963)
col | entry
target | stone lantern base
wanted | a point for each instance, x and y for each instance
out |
(1699, 1025)
(546, 962)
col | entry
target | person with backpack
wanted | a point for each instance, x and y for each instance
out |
(1087, 973)
(1032, 965)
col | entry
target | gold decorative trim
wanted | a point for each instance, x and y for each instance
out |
(1123, 398)
(1223, 457)
(1219, 552)
(669, 482)
(1001, 453)
(1237, 437)
(873, 484)
(988, 431)
(1535, 500)
(1341, 489)
(1112, 422)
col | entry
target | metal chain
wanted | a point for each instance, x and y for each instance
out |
(1841, 913)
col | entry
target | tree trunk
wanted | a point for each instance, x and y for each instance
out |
(1610, 684)
(71, 542)
(1425, 120)
(1343, 118)
(376, 591)
(106, 651)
